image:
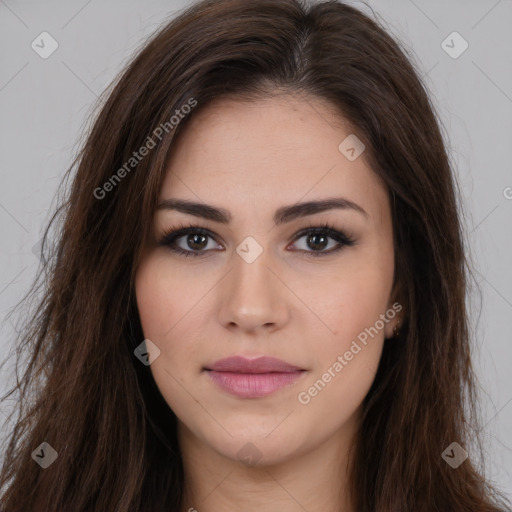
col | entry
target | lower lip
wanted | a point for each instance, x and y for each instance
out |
(253, 385)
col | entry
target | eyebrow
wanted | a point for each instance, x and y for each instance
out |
(281, 216)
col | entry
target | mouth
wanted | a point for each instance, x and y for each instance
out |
(253, 378)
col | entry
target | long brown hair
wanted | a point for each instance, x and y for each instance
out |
(85, 393)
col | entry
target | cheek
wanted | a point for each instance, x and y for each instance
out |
(165, 297)
(171, 307)
(351, 304)
(352, 297)
(347, 358)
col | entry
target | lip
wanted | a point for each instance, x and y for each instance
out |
(253, 378)
(240, 364)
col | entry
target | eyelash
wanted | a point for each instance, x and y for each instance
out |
(169, 238)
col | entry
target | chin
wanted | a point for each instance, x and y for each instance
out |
(256, 447)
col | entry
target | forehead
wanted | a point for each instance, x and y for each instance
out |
(266, 153)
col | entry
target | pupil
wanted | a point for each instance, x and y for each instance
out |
(193, 240)
(320, 245)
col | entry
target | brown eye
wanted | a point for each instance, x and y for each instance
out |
(197, 242)
(190, 241)
(319, 241)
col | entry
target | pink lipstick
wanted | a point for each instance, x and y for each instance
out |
(253, 378)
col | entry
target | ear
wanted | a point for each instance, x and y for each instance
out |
(395, 311)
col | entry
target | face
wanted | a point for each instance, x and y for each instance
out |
(258, 278)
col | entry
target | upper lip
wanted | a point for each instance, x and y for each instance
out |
(240, 364)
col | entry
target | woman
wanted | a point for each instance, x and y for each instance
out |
(257, 298)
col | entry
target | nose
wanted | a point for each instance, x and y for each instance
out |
(253, 297)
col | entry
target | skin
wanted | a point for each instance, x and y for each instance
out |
(252, 158)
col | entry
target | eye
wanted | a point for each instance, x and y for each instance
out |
(189, 240)
(193, 240)
(317, 238)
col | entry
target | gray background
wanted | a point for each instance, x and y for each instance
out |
(45, 102)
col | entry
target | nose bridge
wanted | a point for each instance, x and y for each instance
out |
(251, 277)
(254, 296)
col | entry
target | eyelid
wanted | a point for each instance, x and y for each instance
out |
(343, 238)
(170, 236)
